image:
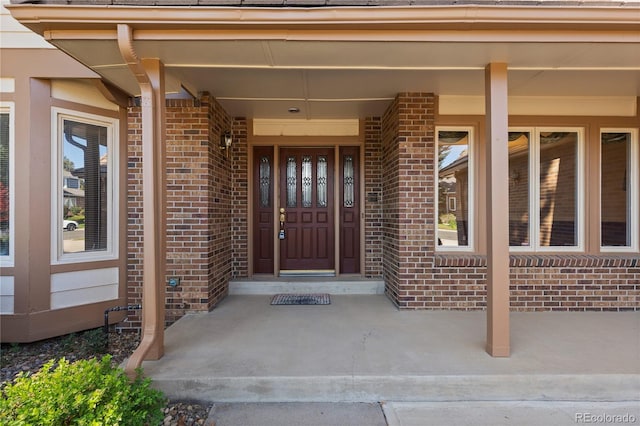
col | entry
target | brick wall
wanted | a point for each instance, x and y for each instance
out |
(240, 197)
(198, 207)
(134, 214)
(390, 201)
(418, 278)
(409, 208)
(220, 202)
(540, 283)
(373, 197)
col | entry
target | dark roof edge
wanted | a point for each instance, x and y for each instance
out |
(334, 3)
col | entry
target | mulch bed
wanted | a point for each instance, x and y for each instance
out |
(29, 358)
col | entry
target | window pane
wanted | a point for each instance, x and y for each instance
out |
(453, 182)
(291, 182)
(307, 181)
(349, 181)
(265, 182)
(558, 189)
(615, 189)
(4, 185)
(322, 181)
(519, 188)
(85, 169)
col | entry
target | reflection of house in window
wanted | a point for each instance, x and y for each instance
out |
(519, 189)
(454, 184)
(615, 201)
(558, 155)
(73, 190)
(88, 143)
(451, 203)
(453, 187)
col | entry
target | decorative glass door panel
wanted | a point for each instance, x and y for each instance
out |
(263, 206)
(306, 196)
(349, 211)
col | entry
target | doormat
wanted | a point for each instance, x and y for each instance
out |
(301, 299)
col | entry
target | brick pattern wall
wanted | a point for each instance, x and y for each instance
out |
(198, 206)
(220, 202)
(134, 215)
(418, 278)
(540, 283)
(390, 201)
(373, 197)
(240, 197)
(408, 164)
(187, 206)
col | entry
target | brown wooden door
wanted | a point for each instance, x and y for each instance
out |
(306, 195)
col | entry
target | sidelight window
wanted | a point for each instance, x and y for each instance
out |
(455, 181)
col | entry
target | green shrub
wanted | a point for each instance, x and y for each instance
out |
(75, 210)
(449, 219)
(86, 392)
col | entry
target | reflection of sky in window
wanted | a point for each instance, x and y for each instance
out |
(453, 155)
(75, 154)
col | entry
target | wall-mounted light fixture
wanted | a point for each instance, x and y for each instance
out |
(225, 141)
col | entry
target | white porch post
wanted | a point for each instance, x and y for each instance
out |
(150, 76)
(497, 190)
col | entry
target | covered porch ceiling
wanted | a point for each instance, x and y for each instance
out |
(351, 62)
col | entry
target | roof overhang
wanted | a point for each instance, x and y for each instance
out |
(351, 61)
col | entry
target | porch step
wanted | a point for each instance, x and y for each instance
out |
(364, 349)
(305, 286)
(404, 388)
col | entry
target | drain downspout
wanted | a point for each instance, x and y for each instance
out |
(149, 74)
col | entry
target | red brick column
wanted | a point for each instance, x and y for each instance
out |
(409, 198)
(373, 197)
(240, 197)
(198, 207)
(134, 213)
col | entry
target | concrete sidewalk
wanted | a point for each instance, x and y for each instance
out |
(512, 413)
(457, 413)
(362, 349)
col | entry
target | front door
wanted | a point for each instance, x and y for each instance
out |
(305, 240)
(306, 235)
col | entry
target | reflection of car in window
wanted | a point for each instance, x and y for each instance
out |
(69, 225)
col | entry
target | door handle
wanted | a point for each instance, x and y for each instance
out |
(282, 220)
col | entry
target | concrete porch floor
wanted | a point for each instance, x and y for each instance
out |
(362, 349)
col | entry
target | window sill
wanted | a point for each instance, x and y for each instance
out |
(542, 260)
